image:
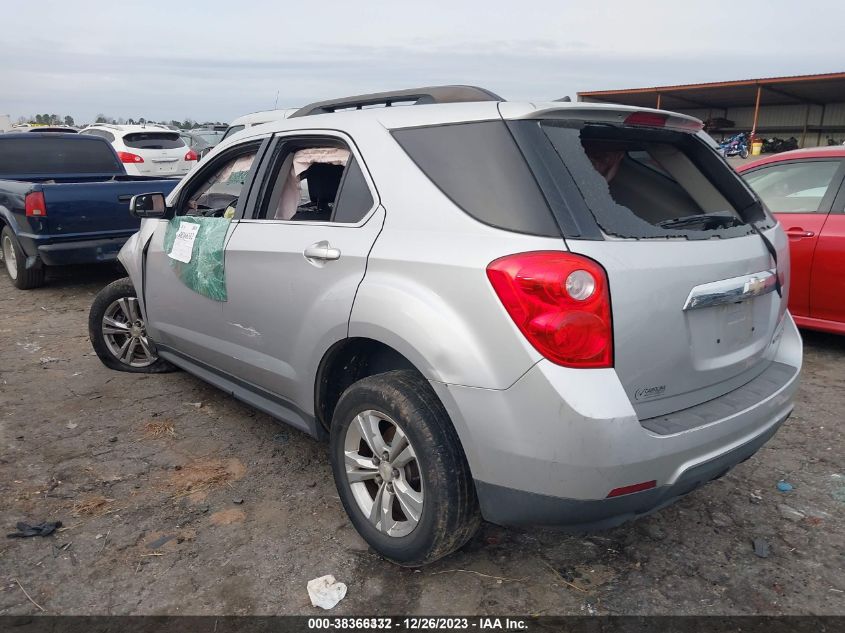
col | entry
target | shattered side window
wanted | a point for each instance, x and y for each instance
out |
(218, 195)
(646, 183)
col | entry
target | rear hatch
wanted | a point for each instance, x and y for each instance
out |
(693, 286)
(163, 152)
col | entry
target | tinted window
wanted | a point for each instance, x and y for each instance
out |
(354, 199)
(153, 140)
(46, 155)
(793, 187)
(479, 167)
(210, 138)
(101, 133)
(233, 130)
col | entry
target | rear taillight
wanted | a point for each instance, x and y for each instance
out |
(34, 204)
(561, 304)
(129, 157)
(191, 155)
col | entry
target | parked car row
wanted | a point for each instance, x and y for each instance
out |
(64, 199)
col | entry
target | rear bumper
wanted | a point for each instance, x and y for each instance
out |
(80, 252)
(507, 506)
(549, 449)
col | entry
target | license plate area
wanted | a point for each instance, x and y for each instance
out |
(731, 334)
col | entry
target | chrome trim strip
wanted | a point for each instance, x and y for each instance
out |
(731, 290)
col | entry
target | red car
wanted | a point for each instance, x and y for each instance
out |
(804, 189)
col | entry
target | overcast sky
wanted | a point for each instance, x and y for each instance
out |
(218, 59)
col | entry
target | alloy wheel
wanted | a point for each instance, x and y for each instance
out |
(125, 333)
(383, 473)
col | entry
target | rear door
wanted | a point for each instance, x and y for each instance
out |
(692, 286)
(800, 194)
(293, 267)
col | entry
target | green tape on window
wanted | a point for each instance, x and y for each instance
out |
(204, 272)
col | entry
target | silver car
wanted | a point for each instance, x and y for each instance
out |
(564, 314)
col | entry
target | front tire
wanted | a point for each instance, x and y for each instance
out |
(400, 470)
(118, 332)
(15, 262)
(743, 154)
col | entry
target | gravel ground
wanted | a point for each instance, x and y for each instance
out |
(177, 499)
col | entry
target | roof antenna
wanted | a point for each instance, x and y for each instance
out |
(565, 99)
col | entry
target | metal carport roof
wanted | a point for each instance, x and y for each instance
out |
(815, 89)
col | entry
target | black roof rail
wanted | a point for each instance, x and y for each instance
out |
(413, 96)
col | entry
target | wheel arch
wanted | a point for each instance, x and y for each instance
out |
(346, 362)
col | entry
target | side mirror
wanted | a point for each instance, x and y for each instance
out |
(148, 205)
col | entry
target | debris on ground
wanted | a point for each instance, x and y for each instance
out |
(237, 501)
(784, 486)
(161, 541)
(790, 513)
(91, 505)
(156, 430)
(195, 405)
(39, 529)
(761, 547)
(325, 592)
(194, 480)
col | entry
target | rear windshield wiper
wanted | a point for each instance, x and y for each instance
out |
(703, 221)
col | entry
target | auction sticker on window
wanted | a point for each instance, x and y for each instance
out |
(183, 245)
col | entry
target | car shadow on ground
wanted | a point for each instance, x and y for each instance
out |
(823, 341)
(68, 277)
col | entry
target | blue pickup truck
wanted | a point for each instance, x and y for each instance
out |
(64, 199)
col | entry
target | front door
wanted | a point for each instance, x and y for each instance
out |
(182, 315)
(800, 194)
(293, 268)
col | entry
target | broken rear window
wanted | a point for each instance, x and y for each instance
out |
(650, 183)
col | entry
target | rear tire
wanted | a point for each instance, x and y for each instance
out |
(118, 333)
(15, 263)
(743, 154)
(419, 504)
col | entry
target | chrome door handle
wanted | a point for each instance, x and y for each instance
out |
(322, 251)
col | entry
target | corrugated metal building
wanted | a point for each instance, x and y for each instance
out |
(809, 107)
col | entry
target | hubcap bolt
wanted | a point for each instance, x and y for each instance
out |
(389, 487)
(385, 456)
(376, 461)
(396, 473)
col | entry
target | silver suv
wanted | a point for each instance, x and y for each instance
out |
(555, 313)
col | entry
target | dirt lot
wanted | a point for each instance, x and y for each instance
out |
(145, 472)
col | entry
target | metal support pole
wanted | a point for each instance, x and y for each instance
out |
(806, 121)
(658, 101)
(756, 115)
(821, 126)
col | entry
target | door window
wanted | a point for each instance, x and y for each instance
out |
(218, 188)
(315, 181)
(794, 187)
